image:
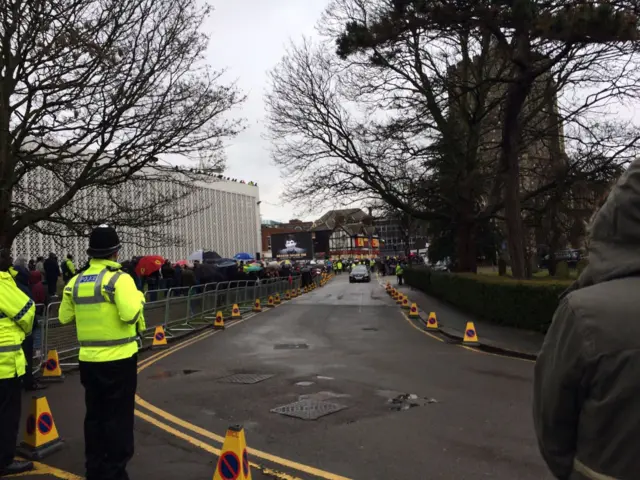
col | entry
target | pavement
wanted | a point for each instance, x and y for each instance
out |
(452, 323)
(409, 405)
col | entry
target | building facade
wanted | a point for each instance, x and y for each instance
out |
(219, 215)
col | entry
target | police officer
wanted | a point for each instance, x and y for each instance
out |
(17, 312)
(108, 311)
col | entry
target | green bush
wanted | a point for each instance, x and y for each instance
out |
(501, 300)
(562, 270)
(582, 264)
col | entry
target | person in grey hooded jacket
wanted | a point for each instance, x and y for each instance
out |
(587, 376)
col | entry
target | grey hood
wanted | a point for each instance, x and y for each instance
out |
(614, 249)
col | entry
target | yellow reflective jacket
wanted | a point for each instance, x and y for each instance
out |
(17, 312)
(70, 266)
(108, 310)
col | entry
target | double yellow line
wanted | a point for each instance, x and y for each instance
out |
(167, 419)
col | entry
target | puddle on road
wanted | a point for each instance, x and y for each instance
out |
(161, 375)
(399, 402)
(290, 346)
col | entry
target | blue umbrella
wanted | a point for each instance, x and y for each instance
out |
(243, 256)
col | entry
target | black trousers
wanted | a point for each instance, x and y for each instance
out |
(399, 279)
(110, 389)
(27, 348)
(10, 390)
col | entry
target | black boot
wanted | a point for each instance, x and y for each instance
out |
(17, 466)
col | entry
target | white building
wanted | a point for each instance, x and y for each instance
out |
(221, 215)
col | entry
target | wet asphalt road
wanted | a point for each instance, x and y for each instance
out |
(355, 348)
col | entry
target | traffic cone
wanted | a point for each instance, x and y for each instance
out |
(256, 306)
(413, 311)
(294, 293)
(218, 323)
(432, 321)
(287, 295)
(233, 463)
(159, 338)
(235, 311)
(277, 300)
(405, 302)
(51, 370)
(41, 437)
(270, 302)
(299, 291)
(399, 298)
(470, 335)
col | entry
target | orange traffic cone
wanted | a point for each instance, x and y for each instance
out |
(41, 437)
(470, 335)
(218, 323)
(256, 306)
(233, 463)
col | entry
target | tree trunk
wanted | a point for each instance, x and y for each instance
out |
(466, 246)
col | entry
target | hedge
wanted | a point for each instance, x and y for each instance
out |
(504, 301)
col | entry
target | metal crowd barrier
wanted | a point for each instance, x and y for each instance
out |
(178, 310)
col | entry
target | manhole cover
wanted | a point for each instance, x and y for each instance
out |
(290, 346)
(370, 329)
(308, 409)
(246, 378)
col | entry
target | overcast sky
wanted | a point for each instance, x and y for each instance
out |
(249, 37)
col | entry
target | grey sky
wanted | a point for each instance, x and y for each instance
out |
(249, 37)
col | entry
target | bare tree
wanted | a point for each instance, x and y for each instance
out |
(427, 107)
(95, 96)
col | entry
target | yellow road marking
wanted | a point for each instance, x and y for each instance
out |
(43, 469)
(205, 446)
(471, 349)
(205, 433)
(220, 439)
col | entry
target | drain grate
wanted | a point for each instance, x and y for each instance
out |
(246, 378)
(290, 346)
(370, 329)
(309, 409)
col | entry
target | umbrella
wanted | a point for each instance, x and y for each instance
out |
(243, 256)
(285, 262)
(149, 264)
(202, 255)
(253, 268)
(182, 263)
(225, 262)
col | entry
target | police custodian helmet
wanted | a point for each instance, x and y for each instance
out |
(103, 242)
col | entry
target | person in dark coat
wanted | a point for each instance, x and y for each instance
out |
(52, 273)
(586, 380)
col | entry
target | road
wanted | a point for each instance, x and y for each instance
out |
(467, 415)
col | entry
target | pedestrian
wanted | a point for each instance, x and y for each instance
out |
(52, 273)
(108, 311)
(586, 387)
(399, 273)
(68, 268)
(22, 278)
(16, 321)
(40, 266)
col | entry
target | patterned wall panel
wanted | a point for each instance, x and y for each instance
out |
(219, 215)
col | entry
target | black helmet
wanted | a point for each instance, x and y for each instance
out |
(103, 242)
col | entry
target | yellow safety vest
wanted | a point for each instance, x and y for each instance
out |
(17, 312)
(108, 310)
(71, 267)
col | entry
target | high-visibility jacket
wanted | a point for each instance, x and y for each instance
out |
(71, 268)
(17, 312)
(108, 310)
(399, 270)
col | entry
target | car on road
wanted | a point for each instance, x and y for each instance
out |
(360, 273)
